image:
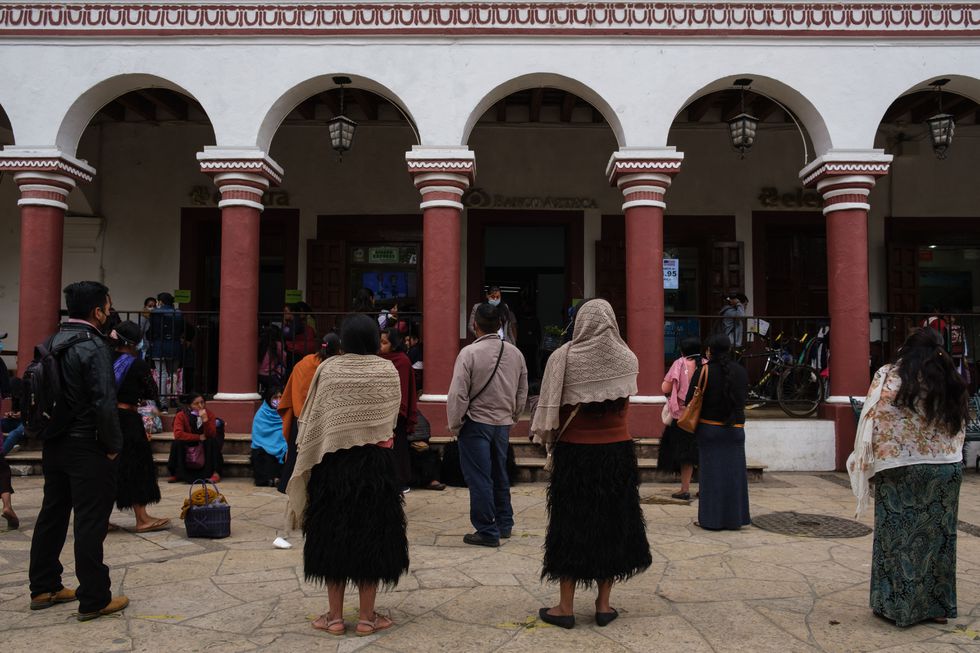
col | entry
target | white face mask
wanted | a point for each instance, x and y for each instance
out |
(493, 302)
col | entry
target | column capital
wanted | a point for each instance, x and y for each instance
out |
(242, 175)
(45, 176)
(845, 177)
(643, 174)
(442, 175)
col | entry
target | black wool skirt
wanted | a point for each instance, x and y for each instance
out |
(677, 447)
(355, 519)
(596, 530)
(136, 481)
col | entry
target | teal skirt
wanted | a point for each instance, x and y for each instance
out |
(913, 562)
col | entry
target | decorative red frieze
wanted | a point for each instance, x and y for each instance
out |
(845, 180)
(242, 176)
(442, 176)
(643, 176)
(935, 19)
(44, 178)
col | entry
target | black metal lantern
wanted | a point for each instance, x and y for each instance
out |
(340, 127)
(941, 125)
(742, 127)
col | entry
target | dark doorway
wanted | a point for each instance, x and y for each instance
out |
(790, 264)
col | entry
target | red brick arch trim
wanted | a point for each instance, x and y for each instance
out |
(815, 19)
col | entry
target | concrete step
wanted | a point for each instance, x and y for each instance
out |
(530, 458)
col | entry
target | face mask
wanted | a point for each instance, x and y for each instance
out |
(141, 346)
(493, 302)
(196, 413)
(1, 345)
(275, 403)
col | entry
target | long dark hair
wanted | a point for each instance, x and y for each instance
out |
(929, 379)
(359, 335)
(720, 347)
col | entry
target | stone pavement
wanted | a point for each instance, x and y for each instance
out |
(706, 592)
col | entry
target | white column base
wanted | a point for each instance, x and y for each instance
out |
(648, 399)
(237, 396)
(434, 399)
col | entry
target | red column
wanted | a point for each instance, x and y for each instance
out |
(442, 176)
(242, 182)
(644, 181)
(845, 181)
(44, 183)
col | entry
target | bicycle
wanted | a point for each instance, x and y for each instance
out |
(795, 386)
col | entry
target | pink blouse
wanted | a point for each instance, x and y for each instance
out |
(679, 375)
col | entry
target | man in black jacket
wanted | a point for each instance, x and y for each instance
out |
(79, 465)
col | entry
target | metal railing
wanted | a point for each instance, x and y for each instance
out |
(960, 332)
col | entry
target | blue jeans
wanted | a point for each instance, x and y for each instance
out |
(14, 437)
(483, 459)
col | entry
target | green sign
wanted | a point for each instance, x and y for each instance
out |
(294, 296)
(182, 296)
(382, 255)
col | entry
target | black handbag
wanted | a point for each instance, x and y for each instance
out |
(213, 519)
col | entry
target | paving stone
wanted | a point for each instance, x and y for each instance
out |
(705, 592)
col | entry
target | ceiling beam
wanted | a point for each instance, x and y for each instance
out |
(567, 106)
(699, 108)
(927, 105)
(501, 110)
(537, 97)
(172, 103)
(901, 106)
(762, 108)
(331, 99)
(138, 105)
(307, 108)
(367, 102)
(114, 111)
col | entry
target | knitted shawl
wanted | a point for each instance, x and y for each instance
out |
(353, 401)
(595, 366)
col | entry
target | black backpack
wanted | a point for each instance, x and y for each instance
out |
(42, 404)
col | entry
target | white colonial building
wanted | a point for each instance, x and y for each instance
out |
(562, 150)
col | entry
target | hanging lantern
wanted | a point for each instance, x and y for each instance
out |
(941, 125)
(340, 127)
(742, 127)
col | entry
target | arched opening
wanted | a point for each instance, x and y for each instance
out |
(535, 222)
(356, 210)
(739, 223)
(925, 222)
(143, 225)
(9, 247)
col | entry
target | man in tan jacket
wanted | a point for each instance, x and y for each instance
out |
(487, 396)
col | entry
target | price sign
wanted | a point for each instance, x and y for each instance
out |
(671, 270)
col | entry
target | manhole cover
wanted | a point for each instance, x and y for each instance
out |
(806, 525)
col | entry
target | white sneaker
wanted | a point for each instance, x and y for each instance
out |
(281, 543)
(406, 490)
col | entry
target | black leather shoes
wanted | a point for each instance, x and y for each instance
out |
(505, 534)
(605, 618)
(479, 540)
(561, 621)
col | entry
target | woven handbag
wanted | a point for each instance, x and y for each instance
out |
(688, 421)
(213, 519)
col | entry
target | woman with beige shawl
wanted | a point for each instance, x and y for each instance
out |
(344, 487)
(596, 532)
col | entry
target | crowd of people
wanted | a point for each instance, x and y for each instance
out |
(339, 438)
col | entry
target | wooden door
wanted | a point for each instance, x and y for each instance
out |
(727, 272)
(326, 272)
(610, 277)
(903, 278)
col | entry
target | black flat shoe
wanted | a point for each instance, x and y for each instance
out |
(478, 540)
(684, 496)
(605, 618)
(567, 622)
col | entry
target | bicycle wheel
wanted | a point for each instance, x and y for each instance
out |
(799, 391)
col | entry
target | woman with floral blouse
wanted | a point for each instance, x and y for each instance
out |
(909, 444)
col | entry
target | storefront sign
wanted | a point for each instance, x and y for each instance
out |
(182, 296)
(477, 198)
(382, 255)
(671, 270)
(209, 196)
(800, 198)
(294, 296)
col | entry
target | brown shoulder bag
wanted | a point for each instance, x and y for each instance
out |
(688, 421)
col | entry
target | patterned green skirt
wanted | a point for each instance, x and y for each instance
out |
(913, 562)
